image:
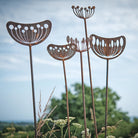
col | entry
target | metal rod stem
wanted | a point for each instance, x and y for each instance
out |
(33, 94)
(83, 95)
(90, 75)
(67, 103)
(106, 106)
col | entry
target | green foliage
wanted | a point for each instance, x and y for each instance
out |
(17, 130)
(76, 107)
(19, 134)
(118, 121)
(29, 128)
(21, 126)
(123, 130)
(58, 128)
(134, 127)
(11, 129)
(0, 133)
(3, 125)
(126, 129)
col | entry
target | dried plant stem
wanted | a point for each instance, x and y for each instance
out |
(52, 130)
(43, 118)
(51, 111)
(49, 100)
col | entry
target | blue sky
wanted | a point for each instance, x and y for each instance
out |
(112, 18)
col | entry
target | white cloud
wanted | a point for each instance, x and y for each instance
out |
(11, 61)
(25, 78)
(44, 61)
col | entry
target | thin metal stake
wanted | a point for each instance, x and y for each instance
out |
(62, 53)
(106, 106)
(80, 50)
(67, 103)
(33, 94)
(83, 95)
(30, 35)
(92, 94)
(107, 48)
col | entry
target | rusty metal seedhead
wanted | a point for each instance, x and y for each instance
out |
(29, 34)
(107, 48)
(79, 47)
(83, 13)
(62, 52)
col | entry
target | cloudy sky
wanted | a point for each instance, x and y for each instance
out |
(112, 18)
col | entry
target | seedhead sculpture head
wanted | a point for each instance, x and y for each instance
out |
(79, 48)
(107, 48)
(61, 52)
(83, 13)
(29, 34)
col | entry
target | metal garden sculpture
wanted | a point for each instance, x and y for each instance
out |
(30, 35)
(63, 52)
(107, 48)
(85, 13)
(81, 48)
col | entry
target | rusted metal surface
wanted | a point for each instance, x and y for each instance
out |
(107, 48)
(33, 91)
(81, 48)
(85, 13)
(63, 52)
(106, 103)
(29, 35)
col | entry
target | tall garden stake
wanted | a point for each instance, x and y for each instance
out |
(85, 13)
(107, 48)
(81, 48)
(63, 52)
(30, 35)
